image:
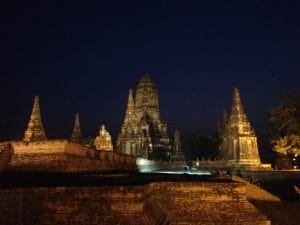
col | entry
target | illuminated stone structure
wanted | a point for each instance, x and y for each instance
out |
(35, 130)
(240, 143)
(143, 133)
(177, 148)
(103, 141)
(76, 133)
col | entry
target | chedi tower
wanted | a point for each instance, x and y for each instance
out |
(240, 142)
(35, 130)
(143, 133)
(177, 148)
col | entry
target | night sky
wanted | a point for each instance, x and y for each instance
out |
(84, 56)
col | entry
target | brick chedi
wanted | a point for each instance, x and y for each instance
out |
(240, 142)
(76, 133)
(103, 141)
(35, 130)
(143, 133)
(177, 154)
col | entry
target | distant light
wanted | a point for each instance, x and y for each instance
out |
(199, 172)
(144, 165)
(148, 166)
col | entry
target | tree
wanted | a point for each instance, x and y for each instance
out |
(285, 130)
(201, 147)
(87, 141)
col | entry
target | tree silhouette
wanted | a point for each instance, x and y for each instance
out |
(285, 129)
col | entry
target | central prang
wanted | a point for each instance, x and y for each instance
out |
(143, 132)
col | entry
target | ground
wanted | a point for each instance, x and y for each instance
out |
(281, 203)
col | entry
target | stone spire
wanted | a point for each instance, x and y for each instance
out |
(130, 103)
(103, 141)
(237, 111)
(131, 139)
(35, 130)
(177, 148)
(240, 142)
(130, 113)
(76, 133)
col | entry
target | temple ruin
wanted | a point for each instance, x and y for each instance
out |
(239, 141)
(143, 132)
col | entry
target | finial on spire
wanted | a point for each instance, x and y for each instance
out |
(36, 98)
(76, 133)
(35, 130)
(237, 107)
(130, 103)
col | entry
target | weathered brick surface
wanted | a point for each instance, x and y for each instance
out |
(204, 203)
(65, 156)
(62, 162)
(155, 203)
(11, 207)
(6, 152)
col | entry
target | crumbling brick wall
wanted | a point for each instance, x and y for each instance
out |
(65, 156)
(6, 152)
(155, 203)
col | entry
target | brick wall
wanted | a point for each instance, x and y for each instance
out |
(6, 152)
(65, 156)
(155, 203)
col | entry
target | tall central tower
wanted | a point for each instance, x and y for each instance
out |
(143, 133)
(146, 99)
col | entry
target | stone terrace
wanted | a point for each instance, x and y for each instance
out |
(57, 198)
(62, 156)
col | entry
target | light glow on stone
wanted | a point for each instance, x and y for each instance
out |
(148, 166)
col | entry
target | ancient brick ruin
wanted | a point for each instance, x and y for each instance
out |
(64, 182)
(65, 156)
(143, 132)
(167, 202)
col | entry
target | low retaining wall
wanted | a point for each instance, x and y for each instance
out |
(65, 156)
(6, 152)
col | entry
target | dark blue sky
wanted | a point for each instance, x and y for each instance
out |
(85, 55)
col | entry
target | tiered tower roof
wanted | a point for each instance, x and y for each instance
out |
(238, 122)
